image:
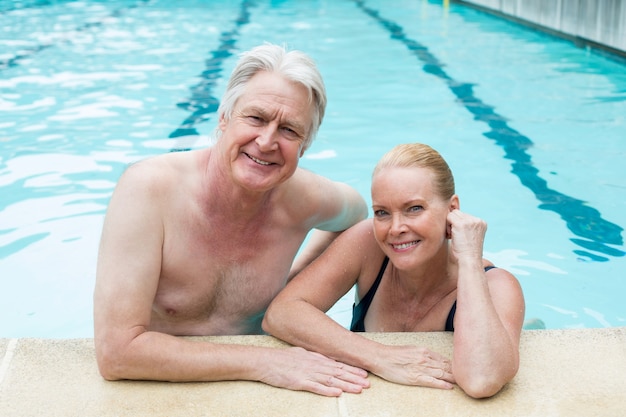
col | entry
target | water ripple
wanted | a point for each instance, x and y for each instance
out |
(583, 220)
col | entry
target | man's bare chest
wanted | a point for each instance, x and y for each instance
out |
(226, 281)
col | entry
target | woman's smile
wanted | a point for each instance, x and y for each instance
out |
(404, 246)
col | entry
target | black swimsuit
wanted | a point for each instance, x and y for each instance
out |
(360, 310)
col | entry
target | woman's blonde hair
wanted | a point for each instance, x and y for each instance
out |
(419, 155)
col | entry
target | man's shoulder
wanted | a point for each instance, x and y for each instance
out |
(307, 187)
(164, 165)
(157, 173)
(303, 176)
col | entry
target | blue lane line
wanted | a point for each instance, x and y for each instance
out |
(28, 52)
(202, 102)
(18, 6)
(582, 220)
(15, 60)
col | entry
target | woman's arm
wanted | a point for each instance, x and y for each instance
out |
(489, 315)
(297, 315)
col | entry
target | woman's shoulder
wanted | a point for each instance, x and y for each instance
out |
(361, 233)
(498, 273)
(358, 244)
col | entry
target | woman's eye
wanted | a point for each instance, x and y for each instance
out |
(415, 208)
(379, 213)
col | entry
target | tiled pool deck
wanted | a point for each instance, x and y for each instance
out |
(565, 373)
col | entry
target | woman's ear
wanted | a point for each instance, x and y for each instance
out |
(454, 203)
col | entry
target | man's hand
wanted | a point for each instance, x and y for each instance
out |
(300, 370)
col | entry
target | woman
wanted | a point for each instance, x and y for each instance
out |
(417, 266)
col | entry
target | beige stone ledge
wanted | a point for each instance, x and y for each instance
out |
(565, 373)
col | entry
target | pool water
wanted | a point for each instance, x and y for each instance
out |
(533, 127)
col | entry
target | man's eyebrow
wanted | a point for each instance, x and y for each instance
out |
(294, 125)
(254, 109)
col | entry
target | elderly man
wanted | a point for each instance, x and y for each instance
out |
(200, 242)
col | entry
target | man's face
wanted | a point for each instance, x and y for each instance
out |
(265, 135)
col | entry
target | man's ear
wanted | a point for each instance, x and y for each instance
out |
(454, 203)
(222, 122)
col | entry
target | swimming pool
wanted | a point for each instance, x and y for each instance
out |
(533, 128)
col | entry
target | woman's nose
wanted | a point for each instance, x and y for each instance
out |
(398, 224)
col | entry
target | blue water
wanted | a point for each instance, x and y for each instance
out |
(533, 127)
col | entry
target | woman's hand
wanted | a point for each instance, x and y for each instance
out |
(467, 235)
(414, 365)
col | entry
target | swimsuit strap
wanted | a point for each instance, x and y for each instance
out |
(450, 319)
(360, 310)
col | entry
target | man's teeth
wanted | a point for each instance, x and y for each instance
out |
(258, 161)
(405, 245)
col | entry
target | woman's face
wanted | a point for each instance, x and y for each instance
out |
(410, 218)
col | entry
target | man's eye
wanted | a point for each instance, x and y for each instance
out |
(291, 134)
(290, 130)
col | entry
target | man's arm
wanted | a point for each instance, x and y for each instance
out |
(129, 265)
(318, 242)
(338, 207)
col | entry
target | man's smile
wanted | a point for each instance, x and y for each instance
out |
(258, 161)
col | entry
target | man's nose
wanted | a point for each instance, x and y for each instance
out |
(268, 137)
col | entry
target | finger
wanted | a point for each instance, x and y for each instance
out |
(440, 369)
(449, 376)
(446, 376)
(352, 375)
(347, 386)
(331, 386)
(351, 381)
(345, 372)
(347, 378)
(434, 382)
(321, 389)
